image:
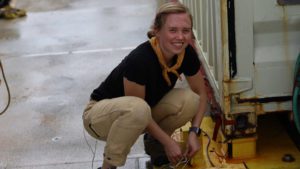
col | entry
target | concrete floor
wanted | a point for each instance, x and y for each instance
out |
(53, 59)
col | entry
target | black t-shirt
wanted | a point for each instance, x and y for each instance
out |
(142, 66)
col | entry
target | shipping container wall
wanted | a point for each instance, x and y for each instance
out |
(268, 43)
(249, 49)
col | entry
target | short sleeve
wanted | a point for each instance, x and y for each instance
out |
(191, 63)
(135, 70)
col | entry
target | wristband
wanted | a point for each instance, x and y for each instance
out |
(197, 130)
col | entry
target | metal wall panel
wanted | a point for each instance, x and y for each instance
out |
(267, 37)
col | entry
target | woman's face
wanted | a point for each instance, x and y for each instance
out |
(175, 34)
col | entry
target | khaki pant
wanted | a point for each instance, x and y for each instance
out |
(120, 121)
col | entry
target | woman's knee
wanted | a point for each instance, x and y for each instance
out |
(189, 95)
(186, 97)
(191, 102)
(140, 110)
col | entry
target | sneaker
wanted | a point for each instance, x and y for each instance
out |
(9, 12)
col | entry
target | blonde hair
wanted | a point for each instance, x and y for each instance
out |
(163, 12)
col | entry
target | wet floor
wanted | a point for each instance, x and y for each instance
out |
(53, 59)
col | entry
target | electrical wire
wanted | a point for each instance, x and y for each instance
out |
(90, 147)
(7, 89)
(207, 153)
(207, 149)
(183, 161)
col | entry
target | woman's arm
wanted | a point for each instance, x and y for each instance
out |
(133, 89)
(172, 149)
(197, 84)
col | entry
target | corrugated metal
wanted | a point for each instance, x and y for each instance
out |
(207, 29)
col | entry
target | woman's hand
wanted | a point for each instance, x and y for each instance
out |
(192, 146)
(173, 152)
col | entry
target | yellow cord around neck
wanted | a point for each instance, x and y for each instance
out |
(165, 69)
